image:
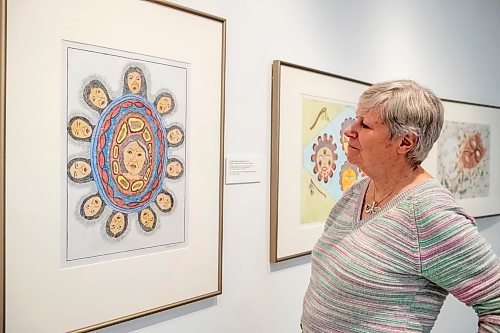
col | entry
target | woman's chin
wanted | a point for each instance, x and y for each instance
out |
(351, 159)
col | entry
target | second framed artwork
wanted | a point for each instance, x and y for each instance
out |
(309, 170)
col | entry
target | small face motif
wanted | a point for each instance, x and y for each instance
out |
(164, 104)
(164, 201)
(117, 224)
(98, 98)
(174, 169)
(79, 169)
(80, 129)
(348, 179)
(134, 157)
(324, 161)
(174, 136)
(147, 218)
(92, 206)
(134, 82)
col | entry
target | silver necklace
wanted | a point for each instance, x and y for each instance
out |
(374, 206)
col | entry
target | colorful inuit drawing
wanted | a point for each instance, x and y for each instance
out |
(463, 159)
(127, 157)
(322, 183)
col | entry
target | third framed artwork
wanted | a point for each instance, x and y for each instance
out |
(465, 155)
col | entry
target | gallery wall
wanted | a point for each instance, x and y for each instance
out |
(449, 45)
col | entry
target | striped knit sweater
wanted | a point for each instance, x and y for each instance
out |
(392, 271)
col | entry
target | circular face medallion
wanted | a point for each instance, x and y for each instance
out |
(128, 153)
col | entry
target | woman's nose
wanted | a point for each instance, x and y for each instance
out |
(350, 132)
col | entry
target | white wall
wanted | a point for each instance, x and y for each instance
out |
(452, 46)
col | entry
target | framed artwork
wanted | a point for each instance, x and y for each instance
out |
(125, 153)
(465, 156)
(111, 161)
(309, 170)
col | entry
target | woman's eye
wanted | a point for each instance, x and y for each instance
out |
(364, 125)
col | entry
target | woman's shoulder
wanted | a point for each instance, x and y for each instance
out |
(430, 201)
(430, 192)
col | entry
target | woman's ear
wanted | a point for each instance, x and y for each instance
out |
(407, 143)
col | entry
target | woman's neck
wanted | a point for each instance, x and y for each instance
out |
(387, 179)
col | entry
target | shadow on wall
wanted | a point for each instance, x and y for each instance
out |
(291, 263)
(160, 317)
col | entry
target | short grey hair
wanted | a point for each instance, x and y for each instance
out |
(407, 108)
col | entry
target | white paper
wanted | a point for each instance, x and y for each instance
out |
(243, 169)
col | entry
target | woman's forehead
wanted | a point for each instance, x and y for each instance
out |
(370, 115)
(360, 111)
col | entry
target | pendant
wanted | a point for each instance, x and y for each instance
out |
(372, 209)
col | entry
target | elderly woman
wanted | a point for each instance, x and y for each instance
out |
(397, 243)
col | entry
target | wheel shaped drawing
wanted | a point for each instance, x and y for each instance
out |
(129, 157)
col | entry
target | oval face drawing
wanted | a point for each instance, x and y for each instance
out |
(128, 153)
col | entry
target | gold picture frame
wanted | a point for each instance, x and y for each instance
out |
(94, 295)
